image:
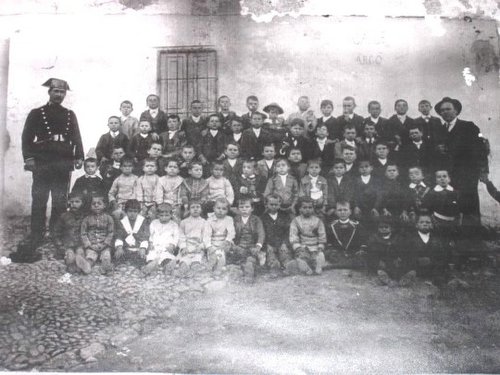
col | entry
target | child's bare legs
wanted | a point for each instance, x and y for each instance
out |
(318, 261)
(69, 260)
(105, 256)
(169, 267)
(82, 262)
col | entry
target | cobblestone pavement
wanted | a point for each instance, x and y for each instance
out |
(53, 320)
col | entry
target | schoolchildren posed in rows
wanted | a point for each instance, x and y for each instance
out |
(275, 195)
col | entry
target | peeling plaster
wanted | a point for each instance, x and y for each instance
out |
(468, 77)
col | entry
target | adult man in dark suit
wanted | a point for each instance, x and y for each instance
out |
(468, 157)
(52, 147)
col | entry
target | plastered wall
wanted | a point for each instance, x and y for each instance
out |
(110, 58)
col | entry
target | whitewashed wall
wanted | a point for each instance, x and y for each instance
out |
(110, 58)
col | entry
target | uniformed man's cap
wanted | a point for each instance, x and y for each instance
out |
(56, 83)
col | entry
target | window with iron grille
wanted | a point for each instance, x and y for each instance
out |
(185, 75)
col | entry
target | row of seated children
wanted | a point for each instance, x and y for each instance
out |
(274, 240)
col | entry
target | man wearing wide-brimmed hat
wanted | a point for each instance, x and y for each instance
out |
(52, 147)
(469, 159)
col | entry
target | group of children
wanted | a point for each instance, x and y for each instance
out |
(291, 196)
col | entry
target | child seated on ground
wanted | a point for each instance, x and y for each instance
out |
(277, 228)
(221, 235)
(308, 240)
(283, 185)
(171, 189)
(431, 257)
(196, 186)
(123, 188)
(315, 187)
(248, 241)
(90, 183)
(67, 237)
(442, 202)
(146, 188)
(194, 233)
(346, 239)
(97, 233)
(251, 185)
(163, 241)
(387, 256)
(218, 187)
(132, 234)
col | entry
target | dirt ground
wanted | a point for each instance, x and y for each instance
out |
(334, 323)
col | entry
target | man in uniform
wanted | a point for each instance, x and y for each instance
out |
(52, 147)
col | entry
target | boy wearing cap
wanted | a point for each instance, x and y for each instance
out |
(52, 147)
(275, 124)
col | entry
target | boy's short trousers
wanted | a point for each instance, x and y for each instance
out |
(159, 255)
(340, 259)
(104, 254)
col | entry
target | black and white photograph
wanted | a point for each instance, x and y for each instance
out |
(250, 186)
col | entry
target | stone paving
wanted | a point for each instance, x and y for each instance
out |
(52, 320)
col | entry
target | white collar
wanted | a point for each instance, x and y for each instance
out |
(439, 188)
(273, 216)
(417, 143)
(90, 175)
(326, 118)
(245, 219)
(171, 133)
(154, 112)
(195, 119)
(143, 135)
(313, 179)
(116, 164)
(382, 161)
(374, 120)
(401, 118)
(321, 141)
(424, 236)
(452, 123)
(114, 134)
(246, 178)
(214, 132)
(232, 162)
(256, 131)
(269, 162)
(339, 179)
(124, 118)
(368, 139)
(237, 137)
(366, 179)
(350, 116)
(414, 185)
(350, 143)
(344, 221)
(283, 178)
(428, 117)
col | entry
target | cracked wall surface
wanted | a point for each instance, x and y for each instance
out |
(108, 52)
